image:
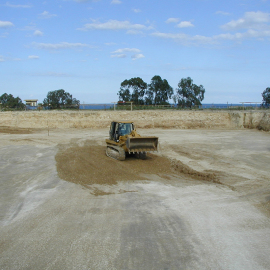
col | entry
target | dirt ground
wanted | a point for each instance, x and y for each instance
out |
(201, 202)
(76, 163)
(12, 130)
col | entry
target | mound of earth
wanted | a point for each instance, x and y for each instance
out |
(88, 164)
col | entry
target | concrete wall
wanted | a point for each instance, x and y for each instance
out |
(155, 118)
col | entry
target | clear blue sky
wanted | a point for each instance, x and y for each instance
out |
(89, 47)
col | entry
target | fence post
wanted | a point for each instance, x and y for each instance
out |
(114, 105)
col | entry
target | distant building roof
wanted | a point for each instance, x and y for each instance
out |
(31, 102)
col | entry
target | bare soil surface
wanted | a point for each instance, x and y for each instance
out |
(12, 130)
(77, 163)
(201, 202)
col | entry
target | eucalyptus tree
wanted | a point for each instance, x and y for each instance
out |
(8, 101)
(159, 91)
(188, 94)
(133, 90)
(60, 99)
(266, 97)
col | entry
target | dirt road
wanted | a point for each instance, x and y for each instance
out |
(202, 203)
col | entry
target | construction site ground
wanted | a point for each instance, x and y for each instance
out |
(201, 202)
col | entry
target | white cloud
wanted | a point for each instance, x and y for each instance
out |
(38, 33)
(223, 13)
(199, 39)
(172, 20)
(119, 55)
(250, 20)
(82, 1)
(185, 24)
(47, 15)
(110, 43)
(53, 74)
(17, 6)
(4, 35)
(240, 36)
(112, 25)
(31, 27)
(136, 10)
(58, 46)
(6, 24)
(170, 35)
(186, 39)
(137, 56)
(134, 50)
(256, 25)
(117, 2)
(3, 59)
(182, 24)
(33, 57)
(122, 53)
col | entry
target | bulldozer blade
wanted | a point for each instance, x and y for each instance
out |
(142, 144)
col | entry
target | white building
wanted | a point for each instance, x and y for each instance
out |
(31, 102)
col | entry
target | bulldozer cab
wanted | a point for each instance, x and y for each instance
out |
(120, 129)
(131, 142)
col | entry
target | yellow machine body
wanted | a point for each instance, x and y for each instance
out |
(124, 136)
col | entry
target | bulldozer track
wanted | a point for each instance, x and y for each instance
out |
(116, 152)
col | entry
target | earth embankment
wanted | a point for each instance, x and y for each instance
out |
(143, 119)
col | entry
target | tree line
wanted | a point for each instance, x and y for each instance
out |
(159, 92)
(9, 101)
(266, 98)
(60, 99)
(57, 99)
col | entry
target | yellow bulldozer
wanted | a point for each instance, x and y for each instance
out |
(124, 139)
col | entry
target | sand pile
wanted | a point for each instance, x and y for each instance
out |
(88, 164)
